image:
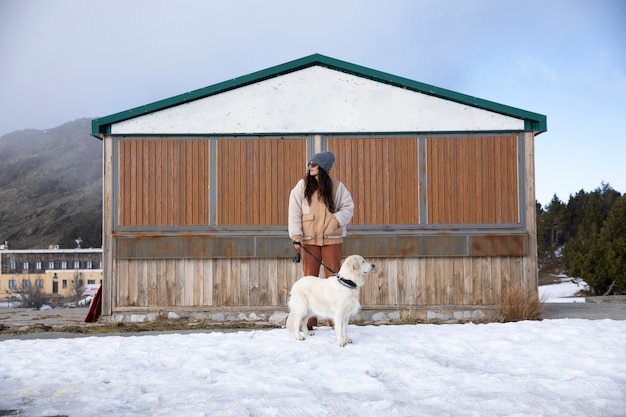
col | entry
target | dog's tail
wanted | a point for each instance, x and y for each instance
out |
(289, 323)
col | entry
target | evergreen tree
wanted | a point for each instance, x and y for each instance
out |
(549, 229)
(585, 254)
(543, 240)
(613, 247)
(574, 214)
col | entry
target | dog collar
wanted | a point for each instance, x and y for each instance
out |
(346, 282)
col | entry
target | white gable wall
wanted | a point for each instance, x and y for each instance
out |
(317, 99)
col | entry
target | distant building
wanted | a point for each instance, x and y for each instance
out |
(54, 271)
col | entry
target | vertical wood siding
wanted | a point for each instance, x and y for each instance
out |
(108, 269)
(529, 263)
(266, 282)
(205, 282)
(254, 178)
(382, 176)
(163, 183)
(472, 180)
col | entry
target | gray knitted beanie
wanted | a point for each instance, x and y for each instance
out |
(324, 159)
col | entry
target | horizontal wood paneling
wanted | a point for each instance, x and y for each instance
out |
(382, 176)
(246, 247)
(472, 180)
(254, 178)
(163, 182)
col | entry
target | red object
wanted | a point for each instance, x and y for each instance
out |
(95, 308)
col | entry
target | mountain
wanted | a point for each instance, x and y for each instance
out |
(51, 187)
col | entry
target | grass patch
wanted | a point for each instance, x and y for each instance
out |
(519, 304)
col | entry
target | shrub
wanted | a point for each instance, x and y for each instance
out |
(31, 297)
(519, 304)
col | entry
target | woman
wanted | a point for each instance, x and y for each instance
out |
(320, 207)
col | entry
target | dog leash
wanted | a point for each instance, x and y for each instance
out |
(313, 256)
(345, 282)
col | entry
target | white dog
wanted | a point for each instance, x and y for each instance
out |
(335, 298)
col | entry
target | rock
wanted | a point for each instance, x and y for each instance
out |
(279, 318)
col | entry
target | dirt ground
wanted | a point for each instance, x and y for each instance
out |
(549, 272)
(23, 318)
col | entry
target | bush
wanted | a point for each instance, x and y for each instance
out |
(31, 297)
(519, 304)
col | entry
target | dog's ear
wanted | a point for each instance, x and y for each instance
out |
(355, 266)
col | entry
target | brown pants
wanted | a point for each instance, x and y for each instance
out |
(330, 256)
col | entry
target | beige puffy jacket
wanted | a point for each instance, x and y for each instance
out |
(313, 224)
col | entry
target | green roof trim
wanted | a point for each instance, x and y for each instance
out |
(532, 121)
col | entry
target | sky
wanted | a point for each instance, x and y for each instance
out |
(66, 59)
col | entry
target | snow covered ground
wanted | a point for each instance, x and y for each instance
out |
(563, 291)
(546, 368)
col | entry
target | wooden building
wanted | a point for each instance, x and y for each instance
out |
(196, 190)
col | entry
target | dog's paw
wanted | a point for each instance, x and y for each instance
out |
(309, 333)
(344, 342)
(299, 337)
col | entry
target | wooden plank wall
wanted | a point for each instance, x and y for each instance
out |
(472, 180)
(260, 172)
(163, 182)
(266, 282)
(205, 282)
(530, 276)
(379, 173)
(108, 273)
(382, 176)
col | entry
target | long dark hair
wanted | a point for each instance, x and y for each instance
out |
(324, 184)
